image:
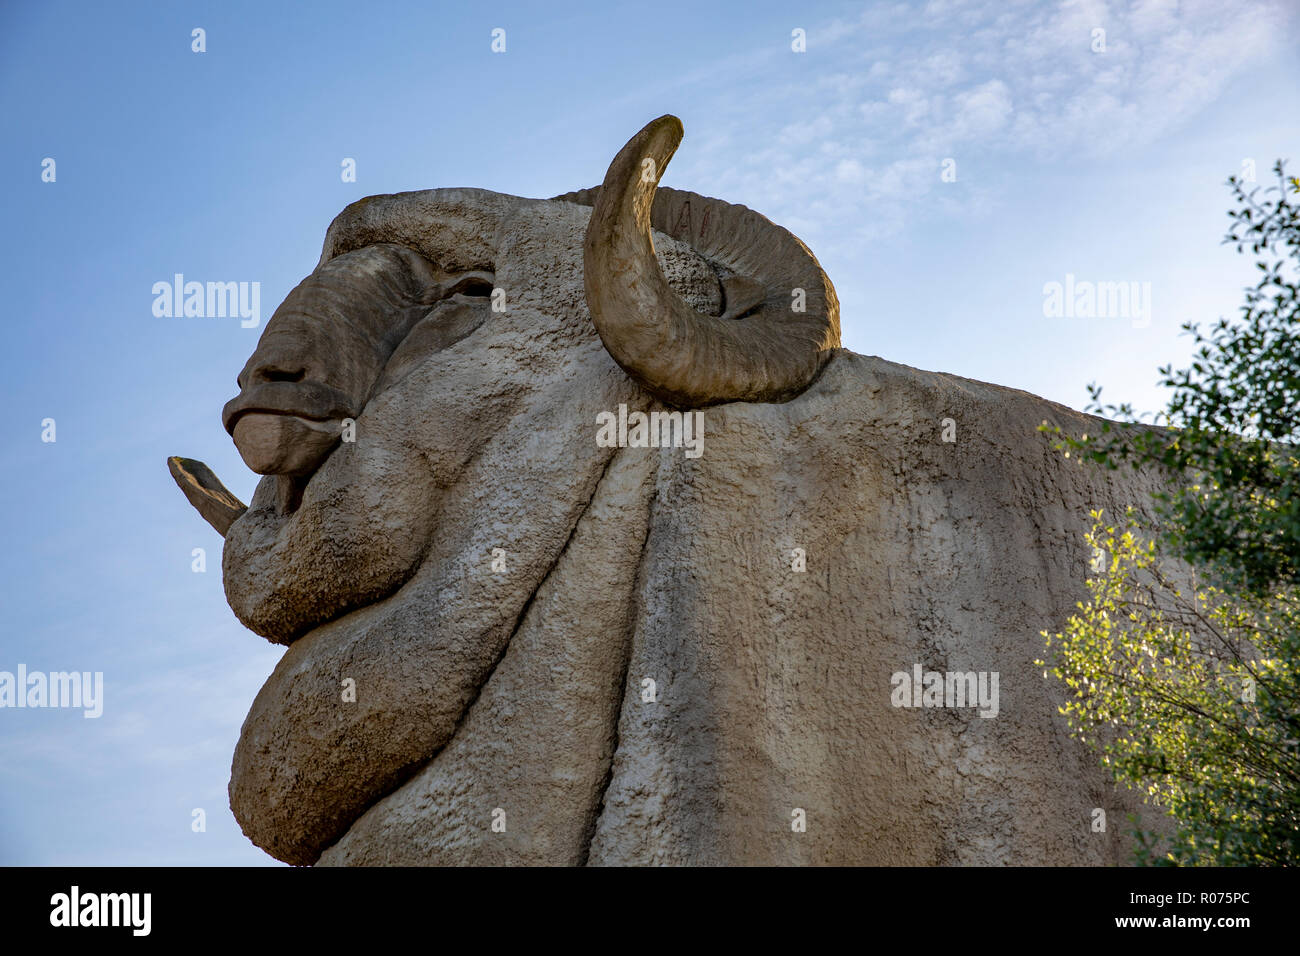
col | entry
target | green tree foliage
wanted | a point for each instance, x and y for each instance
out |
(1190, 695)
(1189, 692)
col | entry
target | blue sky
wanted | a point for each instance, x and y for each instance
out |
(225, 165)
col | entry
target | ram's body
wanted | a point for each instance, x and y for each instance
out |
(501, 588)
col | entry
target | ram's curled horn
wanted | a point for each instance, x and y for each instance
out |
(780, 319)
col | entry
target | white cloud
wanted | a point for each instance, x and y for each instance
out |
(982, 111)
(850, 171)
(914, 104)
(883, 99)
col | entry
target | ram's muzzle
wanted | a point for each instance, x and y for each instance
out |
(321, 356)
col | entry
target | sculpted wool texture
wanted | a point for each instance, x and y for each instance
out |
(511, 642)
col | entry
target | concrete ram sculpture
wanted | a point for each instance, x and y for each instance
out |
(522, 629)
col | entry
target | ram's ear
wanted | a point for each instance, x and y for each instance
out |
(206, 493)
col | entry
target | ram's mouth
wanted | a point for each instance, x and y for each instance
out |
(287, 429)
(286, 446)
(281, 443)
(308, 402)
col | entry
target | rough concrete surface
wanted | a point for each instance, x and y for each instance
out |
(476, 593)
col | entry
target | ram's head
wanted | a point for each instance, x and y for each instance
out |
(423, 409)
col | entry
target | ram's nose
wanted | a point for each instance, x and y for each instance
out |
(262, 370)
(273, 368)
